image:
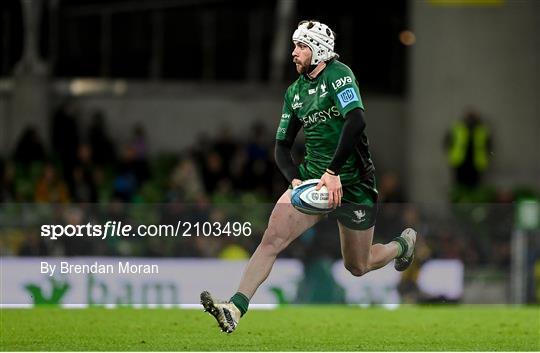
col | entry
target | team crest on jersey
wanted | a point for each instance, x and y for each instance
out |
(347, 96)
(296, 102)
(323, 90)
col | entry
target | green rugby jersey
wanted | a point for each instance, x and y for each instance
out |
(321, 105)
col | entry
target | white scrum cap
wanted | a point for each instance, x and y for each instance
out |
(318, 37)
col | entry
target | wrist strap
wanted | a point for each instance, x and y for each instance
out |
(331, 172)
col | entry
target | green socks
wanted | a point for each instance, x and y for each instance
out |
(241, 302)
(402, 246)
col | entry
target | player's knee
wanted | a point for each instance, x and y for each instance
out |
(356, 270)
(271, 241)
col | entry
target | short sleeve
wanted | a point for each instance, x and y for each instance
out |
(344, 89)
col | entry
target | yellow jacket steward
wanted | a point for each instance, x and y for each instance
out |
(461, 137)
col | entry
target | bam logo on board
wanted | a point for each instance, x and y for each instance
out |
(129, 293)
(40, 296)
(103, 292)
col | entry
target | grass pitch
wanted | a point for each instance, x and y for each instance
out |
(303, 328)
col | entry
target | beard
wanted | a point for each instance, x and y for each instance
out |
(301, 68)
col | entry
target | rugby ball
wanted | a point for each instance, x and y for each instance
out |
(307, 200)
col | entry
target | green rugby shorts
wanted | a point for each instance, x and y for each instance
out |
(358, 208)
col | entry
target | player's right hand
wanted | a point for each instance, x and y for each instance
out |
(335, 190)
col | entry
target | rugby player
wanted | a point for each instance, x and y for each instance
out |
(325, 101)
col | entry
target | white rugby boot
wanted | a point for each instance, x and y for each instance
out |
(407, 240)
(226, 314)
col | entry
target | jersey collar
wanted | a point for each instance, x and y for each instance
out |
(317, 70)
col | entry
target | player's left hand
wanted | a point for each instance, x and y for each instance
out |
(335, 191)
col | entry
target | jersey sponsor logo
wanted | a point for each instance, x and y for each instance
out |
(320, 116)
(296, 102)
(347, 96)
(312, 90)
(340, 82)
(285, 116)
(281, 130)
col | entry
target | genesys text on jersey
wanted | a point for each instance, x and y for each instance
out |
(120, 229)
(320, 116)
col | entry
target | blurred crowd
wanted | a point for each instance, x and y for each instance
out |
(87, 175)
(87, 165)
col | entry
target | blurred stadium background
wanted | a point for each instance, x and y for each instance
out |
(153, 111)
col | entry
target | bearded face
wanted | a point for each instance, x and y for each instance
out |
(301, 57)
